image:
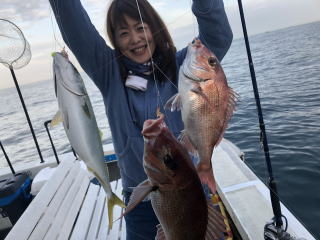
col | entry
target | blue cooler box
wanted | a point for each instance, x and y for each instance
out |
(14, 199)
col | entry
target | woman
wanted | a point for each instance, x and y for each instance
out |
(133, 88)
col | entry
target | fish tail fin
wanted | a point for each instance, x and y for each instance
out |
(114, 200)
(206, 177)
(56, 119)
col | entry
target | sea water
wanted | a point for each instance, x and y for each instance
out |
(287, 65)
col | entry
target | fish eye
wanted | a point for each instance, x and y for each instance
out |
(169, 162)
(212, 61)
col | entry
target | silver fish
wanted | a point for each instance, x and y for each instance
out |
(76, 113)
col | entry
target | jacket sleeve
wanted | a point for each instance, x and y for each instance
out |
(214, 29)
(90, 49)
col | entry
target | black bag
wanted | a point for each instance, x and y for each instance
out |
(14, 199)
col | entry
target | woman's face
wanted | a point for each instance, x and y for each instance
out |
(132, 42)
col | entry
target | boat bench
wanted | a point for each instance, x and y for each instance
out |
(69, 206)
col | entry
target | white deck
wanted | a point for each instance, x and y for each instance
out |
(69, 207)
(245, 197)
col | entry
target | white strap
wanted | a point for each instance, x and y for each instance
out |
(136, 82)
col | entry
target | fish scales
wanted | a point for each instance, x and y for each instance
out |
(76, 113)
(206, 102)
(182, 213)
(174, 188)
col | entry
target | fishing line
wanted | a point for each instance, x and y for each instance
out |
(172, 83)
(115, 58)
(152, 62)
(55, 41)
(57, 9)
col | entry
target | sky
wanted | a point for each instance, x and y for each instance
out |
(36, 20)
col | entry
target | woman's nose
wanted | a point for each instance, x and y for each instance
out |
(136, 37)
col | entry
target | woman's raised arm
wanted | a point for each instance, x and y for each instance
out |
(214, 29)
(83, 39)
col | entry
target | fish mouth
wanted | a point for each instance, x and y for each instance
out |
(152, 128)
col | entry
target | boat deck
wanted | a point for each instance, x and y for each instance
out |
(245, 197)
(69, 206)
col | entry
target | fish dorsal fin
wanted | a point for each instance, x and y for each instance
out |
(216, 225)
(56, 119)
(174, 103)
(139, 193)
(160, 233)
(233, 97)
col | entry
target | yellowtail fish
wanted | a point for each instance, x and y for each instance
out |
(76, 113)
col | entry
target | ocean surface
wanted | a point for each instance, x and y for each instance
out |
(287, 65)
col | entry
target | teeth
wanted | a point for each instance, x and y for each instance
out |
(138, 50)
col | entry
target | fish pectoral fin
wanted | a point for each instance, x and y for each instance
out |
(160, 233)
(186, 142)
(56, 119)
(113, 201)
(139, 193)
(233, 97)
(198, 90)
(216, 223)
(174, 103)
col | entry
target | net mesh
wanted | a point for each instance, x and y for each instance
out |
(14, 48)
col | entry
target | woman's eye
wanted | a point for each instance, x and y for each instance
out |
(123, 34)
(140, 28)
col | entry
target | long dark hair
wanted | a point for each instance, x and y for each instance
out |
(164, 44)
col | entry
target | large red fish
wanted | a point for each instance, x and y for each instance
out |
(206, 102)
(175, 189)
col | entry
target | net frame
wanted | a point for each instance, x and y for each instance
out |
(15, 50)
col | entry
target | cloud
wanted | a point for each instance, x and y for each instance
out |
(24, 10)
(33, 10)
(33, 17)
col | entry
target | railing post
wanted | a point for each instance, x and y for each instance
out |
(7, 158)
(52, 145)
(26, 113)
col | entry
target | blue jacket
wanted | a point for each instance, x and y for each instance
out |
(127, 108)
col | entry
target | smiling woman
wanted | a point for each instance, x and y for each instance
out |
(136, 33)
(143, 51)
(135, 40)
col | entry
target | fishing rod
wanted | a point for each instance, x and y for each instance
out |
(274, 228)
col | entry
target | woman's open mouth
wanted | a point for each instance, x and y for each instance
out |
(139, 50)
